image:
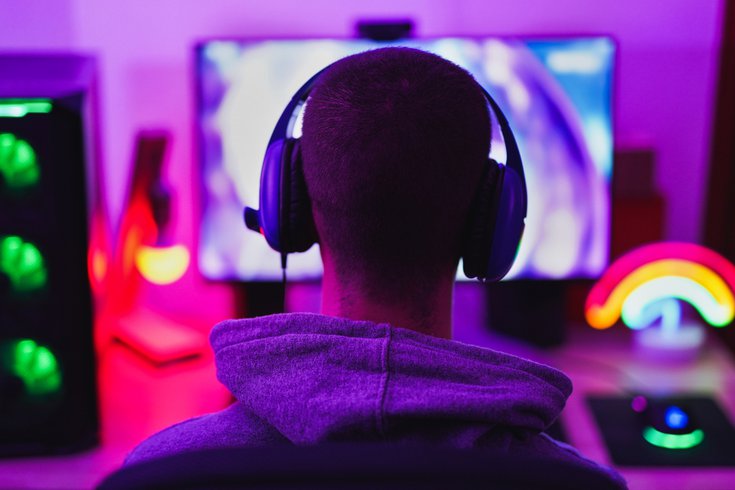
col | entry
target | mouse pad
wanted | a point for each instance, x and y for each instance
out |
(622, 430)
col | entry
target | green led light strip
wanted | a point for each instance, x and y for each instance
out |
(23, 263)
(37, 366)
(673, 441)
(18, 163)
(21, 107)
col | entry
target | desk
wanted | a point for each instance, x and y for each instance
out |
(604, 362)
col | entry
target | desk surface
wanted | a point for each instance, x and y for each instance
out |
(621, 370)
(597, 362)
(605, 362)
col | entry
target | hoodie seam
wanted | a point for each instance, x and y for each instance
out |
(383, 385)
(219, 346)
(505, 365)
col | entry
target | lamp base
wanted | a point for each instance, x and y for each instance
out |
(680, 345)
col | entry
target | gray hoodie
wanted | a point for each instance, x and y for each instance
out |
(308, 379)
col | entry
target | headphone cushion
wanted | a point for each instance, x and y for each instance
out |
(509, 225)
(478, 240)
(297, 226)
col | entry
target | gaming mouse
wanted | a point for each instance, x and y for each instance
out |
(667, 423)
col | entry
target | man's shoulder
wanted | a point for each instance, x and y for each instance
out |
(231, 427)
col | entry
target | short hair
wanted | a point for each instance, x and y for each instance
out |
(394, 142)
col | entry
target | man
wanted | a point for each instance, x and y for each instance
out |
(394, 144)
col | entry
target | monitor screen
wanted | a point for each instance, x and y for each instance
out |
(555, 93)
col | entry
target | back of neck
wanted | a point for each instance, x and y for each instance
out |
(431, 316)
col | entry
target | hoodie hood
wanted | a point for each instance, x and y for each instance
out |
(315, 378)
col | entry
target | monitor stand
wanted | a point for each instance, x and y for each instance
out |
(258, 299)
(533, 311)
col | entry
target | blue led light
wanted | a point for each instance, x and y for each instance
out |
(676, 418)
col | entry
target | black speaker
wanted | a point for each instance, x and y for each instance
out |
(48, 395)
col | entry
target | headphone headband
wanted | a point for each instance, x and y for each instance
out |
(288, 116)
(513, 154)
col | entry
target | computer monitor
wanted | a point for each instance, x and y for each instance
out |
(556, 94)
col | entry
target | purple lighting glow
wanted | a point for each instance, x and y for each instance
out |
(639, 403)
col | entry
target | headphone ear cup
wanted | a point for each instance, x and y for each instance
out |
(481, 225)
(297, 221)
(509, 225)
(269, 216)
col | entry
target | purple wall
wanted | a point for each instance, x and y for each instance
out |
(665, 80)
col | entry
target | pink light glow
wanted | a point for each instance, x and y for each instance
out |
(673, 250)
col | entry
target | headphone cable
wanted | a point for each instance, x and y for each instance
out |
(284, 258)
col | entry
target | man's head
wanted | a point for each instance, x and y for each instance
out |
(394, 144)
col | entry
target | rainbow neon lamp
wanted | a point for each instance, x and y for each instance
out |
(646, 286)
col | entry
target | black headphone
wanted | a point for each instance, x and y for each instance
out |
(496, 219)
